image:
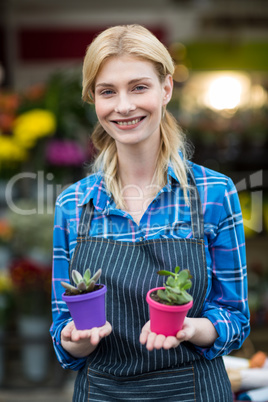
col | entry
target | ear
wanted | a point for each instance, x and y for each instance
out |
(167, 89)
(92, 94)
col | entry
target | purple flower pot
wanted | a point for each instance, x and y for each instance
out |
(164, 319)
(88, 309)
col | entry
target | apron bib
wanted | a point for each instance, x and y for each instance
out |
(121, 369)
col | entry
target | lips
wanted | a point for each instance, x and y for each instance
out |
(129, 122)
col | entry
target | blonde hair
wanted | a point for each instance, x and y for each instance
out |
(134, 40)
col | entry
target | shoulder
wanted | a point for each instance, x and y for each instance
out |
(207, 177)
(211, 183)
(217, 192)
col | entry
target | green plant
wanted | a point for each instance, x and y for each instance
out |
(176, 286)
(84, 284)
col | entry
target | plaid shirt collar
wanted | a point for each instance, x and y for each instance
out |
(95, 189)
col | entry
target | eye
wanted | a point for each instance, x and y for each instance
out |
(140, 88)
(107, 92)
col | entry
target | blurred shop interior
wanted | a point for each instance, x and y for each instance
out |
(220, 48)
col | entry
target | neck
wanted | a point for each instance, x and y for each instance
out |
(137, 166)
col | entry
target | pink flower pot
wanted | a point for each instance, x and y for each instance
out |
(166, 320)
(87, 310)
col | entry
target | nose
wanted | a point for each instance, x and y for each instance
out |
(124, 105)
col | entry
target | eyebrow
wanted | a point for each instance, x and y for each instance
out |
(106, 84)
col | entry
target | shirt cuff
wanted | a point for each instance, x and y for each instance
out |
(229, 335)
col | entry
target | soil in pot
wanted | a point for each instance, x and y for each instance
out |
(68, 292)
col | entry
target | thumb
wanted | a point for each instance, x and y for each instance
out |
(67, 331)
(181, 336)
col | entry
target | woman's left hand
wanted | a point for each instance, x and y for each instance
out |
(154, 341)
(199, 331)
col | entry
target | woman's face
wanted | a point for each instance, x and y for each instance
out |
(129, 100)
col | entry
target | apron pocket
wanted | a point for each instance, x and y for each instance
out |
(167, 385)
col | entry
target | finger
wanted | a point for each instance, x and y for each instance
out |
(65, 335)
(80, 334)
(105, 330)
(95, 336)
(181, 335)
(143, 338)
(159, 341)
(185, 334)
(170, 342)
(144, 334)
(151, 340)
(67, 331)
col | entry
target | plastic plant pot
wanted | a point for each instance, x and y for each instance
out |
(88, 309)
(164, 319)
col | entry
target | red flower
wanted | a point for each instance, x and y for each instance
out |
(28, 275)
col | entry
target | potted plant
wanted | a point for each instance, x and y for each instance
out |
(168, 305)
(86, 300)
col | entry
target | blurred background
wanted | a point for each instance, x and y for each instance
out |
(220, 48)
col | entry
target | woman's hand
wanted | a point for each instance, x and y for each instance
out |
(80, 343)
(199, 331)
(154, 341)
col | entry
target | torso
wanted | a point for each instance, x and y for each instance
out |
(129, 270)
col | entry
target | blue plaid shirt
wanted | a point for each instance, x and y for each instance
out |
(226, 304)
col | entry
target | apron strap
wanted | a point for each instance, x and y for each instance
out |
(85, 220)
(196, 212)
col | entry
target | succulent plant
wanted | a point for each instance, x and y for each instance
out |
(84, 284)
(176, 286)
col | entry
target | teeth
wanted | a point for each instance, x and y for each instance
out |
(128, 123)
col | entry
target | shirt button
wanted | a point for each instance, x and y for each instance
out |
(141, 238)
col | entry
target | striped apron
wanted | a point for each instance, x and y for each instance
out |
(121, 369)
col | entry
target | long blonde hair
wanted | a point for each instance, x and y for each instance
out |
(134, 40)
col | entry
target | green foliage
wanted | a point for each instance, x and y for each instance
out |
(176, 286)
(63, 98)
(26, 219)
(84, 283)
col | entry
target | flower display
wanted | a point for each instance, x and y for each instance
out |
(10, 150)
(5, 282)
(30, 118)
(28, 275)
(6, 231)
(6, 296)
(9, 103)
(20, 130)
(33, 125)
(65, 153)
(30, 266)
(32, 285)
(27, 238)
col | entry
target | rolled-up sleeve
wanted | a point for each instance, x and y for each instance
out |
(226, 304)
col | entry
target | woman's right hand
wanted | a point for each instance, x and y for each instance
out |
(80, 343)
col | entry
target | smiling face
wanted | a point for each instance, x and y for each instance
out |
(129, 99)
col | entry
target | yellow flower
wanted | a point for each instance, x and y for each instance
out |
(32, 125)
(10, 150)
(6, 284)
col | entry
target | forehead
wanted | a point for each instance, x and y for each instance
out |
(125, 67)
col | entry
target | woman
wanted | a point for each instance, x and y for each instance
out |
(147, 207)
